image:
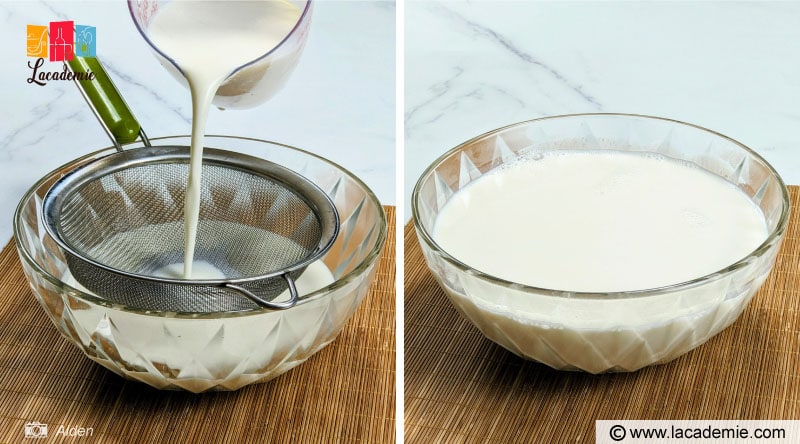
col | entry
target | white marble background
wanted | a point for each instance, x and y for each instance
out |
(474, 66)
(339, 103)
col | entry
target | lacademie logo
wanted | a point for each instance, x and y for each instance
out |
(59, 42)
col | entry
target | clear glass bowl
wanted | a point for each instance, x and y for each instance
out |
(567, 330)
(220, 351)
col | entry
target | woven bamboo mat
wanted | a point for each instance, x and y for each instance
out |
(461, 387)
(344, 393)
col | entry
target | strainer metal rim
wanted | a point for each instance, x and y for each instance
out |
(78, 177)
(357, 271)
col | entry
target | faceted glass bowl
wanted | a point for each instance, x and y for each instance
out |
(568, 330)
(218, 351)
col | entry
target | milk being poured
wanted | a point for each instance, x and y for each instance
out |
(209, 40)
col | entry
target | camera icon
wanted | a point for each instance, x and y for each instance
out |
(35, 429)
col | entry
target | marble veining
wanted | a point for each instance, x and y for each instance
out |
(339, 102)
(118, 73)
(473, 66)
(505, 43)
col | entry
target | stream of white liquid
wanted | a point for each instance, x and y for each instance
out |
(209, 40)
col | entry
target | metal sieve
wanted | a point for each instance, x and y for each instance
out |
(120, 218)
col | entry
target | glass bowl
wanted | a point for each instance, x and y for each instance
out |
(566, 329)
(216, 351)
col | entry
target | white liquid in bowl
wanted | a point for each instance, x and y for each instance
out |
(204, 351)
(599, 222)
(200, 270)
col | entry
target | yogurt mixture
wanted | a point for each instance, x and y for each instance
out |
(599, 222)
(200, 270)
(315, 276)
(196, 351)
(208, 41)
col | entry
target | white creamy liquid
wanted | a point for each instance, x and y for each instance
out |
(592, 221)
(209, 40)
(314, 277)
(200, 270)
(599, 222)
(148, 344)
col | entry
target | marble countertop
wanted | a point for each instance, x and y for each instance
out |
(471, 67)
(339, 102)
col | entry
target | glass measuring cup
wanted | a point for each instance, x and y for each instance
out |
(250, 84)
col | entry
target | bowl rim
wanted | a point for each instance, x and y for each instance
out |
(368, 261)
(773, 236)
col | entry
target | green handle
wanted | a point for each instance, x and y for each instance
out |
(107, 101)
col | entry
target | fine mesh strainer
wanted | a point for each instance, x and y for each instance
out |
(120, 218)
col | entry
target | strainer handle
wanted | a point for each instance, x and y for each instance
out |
(106, 102)
(269, 304)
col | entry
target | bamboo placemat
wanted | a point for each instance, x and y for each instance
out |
(344, 393)
(461, 387)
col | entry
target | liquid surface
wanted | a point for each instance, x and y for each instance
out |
(599, 222)
(315, 276)
(182, 344)
(209, 40)
(200, 270)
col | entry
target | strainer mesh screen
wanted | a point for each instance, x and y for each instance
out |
(132, 220)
